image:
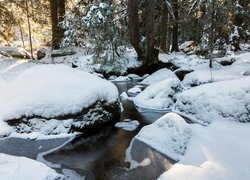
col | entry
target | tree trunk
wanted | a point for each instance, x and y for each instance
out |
(61, 14)
(211, 34)
(134, 33)
(54, 21)
(150, 33)
(175, 46)
(28, 19)
(164, 28)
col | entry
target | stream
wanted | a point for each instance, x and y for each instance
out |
(93, 157)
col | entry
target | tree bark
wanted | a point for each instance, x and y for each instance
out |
(150, 33)
(175, 46)
(211, 34)
(54, 21)
(134, 33)
(28, 19)
(61, 14)
(164, 29)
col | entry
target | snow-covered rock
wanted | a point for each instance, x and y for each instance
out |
(158, 76)
(203, 75)
(134, 91)
(220, 100)
(124, 96)
(158, 96)
(59, 92)
(12, 167)
(183, 61)
(14, 52)
(244, 73)
(125, 78)
(121, 79)
(168, 135)
(218, 151)
(128, 125)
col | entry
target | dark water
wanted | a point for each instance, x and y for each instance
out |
(96, 157)
(104, 152)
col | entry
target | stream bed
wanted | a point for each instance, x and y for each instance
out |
(99, 156)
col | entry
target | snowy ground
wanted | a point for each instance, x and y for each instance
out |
(12, 167)
(219, 151)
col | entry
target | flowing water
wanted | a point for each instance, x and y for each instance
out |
(91, 156)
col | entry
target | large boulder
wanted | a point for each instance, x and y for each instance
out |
(59, 92)
(14, 52)
(158, 76)
(155, 148)
(229, 100)
(158, 96)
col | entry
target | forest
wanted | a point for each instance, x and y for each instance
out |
(124, 89)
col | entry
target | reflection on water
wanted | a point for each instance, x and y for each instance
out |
(94, 156)
(105, 151)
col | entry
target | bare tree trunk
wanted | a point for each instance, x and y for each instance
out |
(164, 28)
(175, 46)
(150, 33)
(211, 34)
(134, 33)
(61, 13)
(30, 39)
(54, 21)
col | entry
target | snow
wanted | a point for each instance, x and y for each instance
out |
(22, 168)
(159, 76)
(81, 59)
(14, 52)
(56, 90)
(125, 78)
(246, 72)
(223, 73)
(5, 129)
(168, 135)
(220, 100)
(2, 82)
(121, 79)
(128, 125)
(134, 91)
(218, 151)
(183, 61)
(158, 96)
(124, 96)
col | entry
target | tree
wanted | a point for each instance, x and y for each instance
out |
(57, 8)
(134, 33)
(175, 46)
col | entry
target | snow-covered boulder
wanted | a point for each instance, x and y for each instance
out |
(220, 100)
(158, 96)
(168, 135)
(12, 167)
(246, 72)
(135, 90)
(41, 53)
(203, 75)
(14, 52)
(158, 76)
(59, 92)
